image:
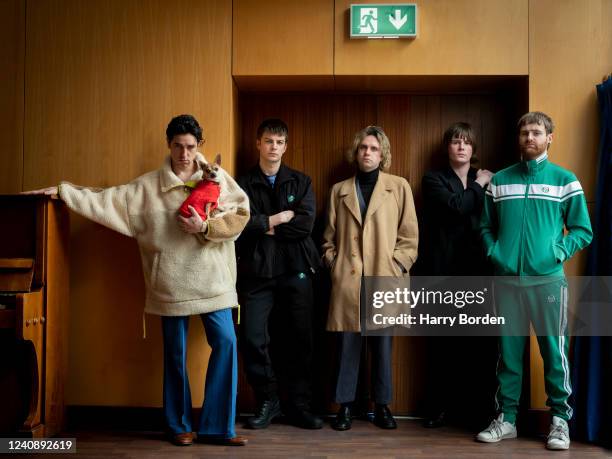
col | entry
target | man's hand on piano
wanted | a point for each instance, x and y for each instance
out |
(49, 191)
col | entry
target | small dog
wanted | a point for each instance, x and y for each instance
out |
(204, 198)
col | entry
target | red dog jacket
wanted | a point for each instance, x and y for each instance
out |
(205, 192)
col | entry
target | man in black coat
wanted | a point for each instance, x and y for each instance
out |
(276, 260)
(453, 198)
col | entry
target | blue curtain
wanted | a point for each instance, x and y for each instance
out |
(592, 369)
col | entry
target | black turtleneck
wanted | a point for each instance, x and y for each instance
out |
(367, 182)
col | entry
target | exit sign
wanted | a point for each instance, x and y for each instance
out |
(384, 20)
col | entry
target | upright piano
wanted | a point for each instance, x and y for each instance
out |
(33, 315)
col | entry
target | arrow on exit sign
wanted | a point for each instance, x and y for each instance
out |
(398, 20)
(383, 20)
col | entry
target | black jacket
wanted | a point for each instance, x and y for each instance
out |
(290, 249)
(450, 242)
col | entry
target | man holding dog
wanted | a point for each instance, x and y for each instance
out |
(181, 257)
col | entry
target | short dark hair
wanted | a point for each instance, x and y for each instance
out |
(460, 130)
(273, 126)
(184, 124)
(537, 118)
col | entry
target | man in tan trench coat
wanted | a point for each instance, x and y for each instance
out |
(371, 231)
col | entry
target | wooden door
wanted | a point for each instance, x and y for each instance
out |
(321, 129)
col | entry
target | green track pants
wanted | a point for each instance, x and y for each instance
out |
(545, 306)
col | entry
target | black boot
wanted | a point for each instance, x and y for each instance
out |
(301, 416)
(266, 411)
(383, 417)
(434, 421)
(343, 419)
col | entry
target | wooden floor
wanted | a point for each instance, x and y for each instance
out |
(364, 440)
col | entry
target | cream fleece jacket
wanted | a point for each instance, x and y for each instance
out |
(184, 273)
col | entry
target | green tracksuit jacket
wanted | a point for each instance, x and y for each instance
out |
(527, 205)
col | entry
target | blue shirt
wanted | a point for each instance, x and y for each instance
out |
(271, 179)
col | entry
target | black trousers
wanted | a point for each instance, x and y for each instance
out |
(288, 299)
(348, 370)
(461, 378)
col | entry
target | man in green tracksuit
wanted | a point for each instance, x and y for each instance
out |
(527, 207)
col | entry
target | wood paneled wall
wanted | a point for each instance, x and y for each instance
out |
(12, 42)
(103, 80)
(105, 77)
(283, 37)
(563, 71)
(321, 129)
(455, 37)
(88, 100)
(322, 126)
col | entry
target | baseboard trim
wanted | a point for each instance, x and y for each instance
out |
(81, 417)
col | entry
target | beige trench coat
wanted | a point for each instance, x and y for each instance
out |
(389, 234)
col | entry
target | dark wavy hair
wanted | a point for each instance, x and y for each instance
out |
(184, 124)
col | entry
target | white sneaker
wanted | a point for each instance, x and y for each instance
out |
(498, 430)
(558, 438)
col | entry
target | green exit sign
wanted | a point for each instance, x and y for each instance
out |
(384, 20)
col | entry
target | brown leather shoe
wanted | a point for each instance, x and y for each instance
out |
(183, 439)
(234, 441)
